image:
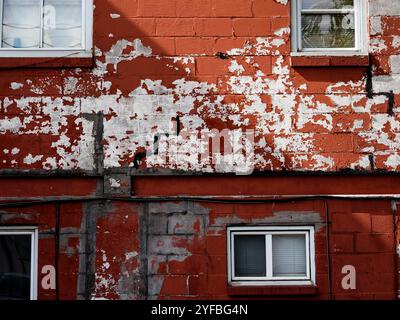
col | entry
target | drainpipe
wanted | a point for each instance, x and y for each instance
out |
(57, 247)
(328, 249)
(396, 254)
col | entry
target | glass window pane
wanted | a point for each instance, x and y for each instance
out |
(328, 31)
(250, 256)
(62, 24)
(21, 24)
(289, 255)
(15, 267)
(328, 4)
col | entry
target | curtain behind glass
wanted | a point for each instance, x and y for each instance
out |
(62, 24)
(250, 256)
(21, 24)
(328, 30)
(289, 255)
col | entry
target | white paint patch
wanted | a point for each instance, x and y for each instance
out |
(12, 125)
(363, 163)
(395, 64)
(393, 161)
(235, 67)
(384, 8)
(282, 31)
(377, 45)
(70, 85)
(50, 163)
(16, 85)
(15, 151)
(376, 25)
(131, 255)
(358, 124)
(387, 83)
(322, 162)
(29, 159)
(117, 55)
(114, 183)
(6, 103)
(396, 42)
(115, 15)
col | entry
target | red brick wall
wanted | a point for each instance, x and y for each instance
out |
(156, 61)
(119, 249)
(212, 64)
(363, 236)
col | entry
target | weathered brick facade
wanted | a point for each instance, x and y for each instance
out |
(91, 151)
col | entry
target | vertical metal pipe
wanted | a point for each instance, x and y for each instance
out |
(328, 250)
(57, 247)
(396, 254)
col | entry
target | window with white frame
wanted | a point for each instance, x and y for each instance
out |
(271, 255)
(329, 26)
(18, 263)
(46, 28)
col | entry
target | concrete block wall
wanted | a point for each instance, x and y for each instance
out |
(365, 239)
(187, 258)
(86, 127)
(214, 64)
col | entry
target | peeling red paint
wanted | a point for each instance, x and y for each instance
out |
(169, 67)
(160, 67)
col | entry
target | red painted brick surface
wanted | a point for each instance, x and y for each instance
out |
(190, 259)
(317, 118)
(214, 64)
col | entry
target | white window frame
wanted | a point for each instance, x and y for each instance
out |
(361, 31)
(33, 232)
(269, 280)
(87, 39)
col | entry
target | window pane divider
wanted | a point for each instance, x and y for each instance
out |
(1, 21)
(308, 249)
(83, 25)
(268, 256)
(357, 26)
(299, 29)
(41, 23)
(330, 49)
(232, 253)
(326, 11)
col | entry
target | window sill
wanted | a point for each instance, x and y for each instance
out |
(272, 290)
(330, 61)
(50, 62)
